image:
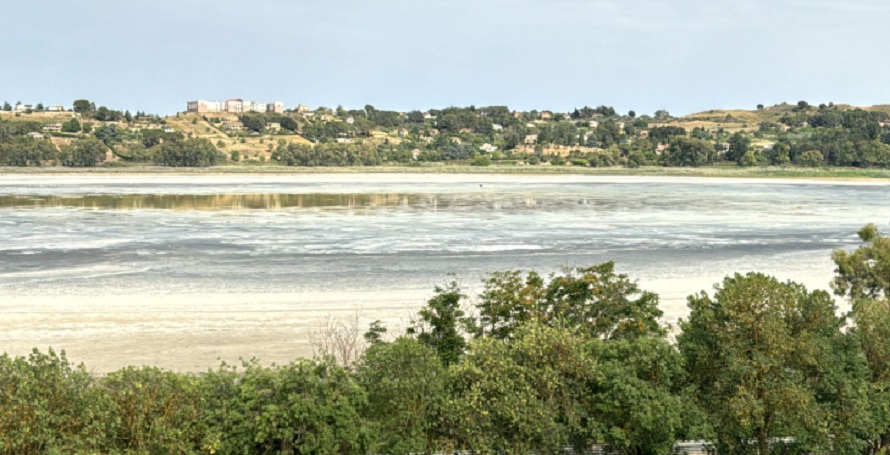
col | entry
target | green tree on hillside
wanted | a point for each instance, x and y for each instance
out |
(86, 152)
(289, 123)
(253, 122)
(811, 158)
(685, 151)
(23, 151)
(778, 155)
(187, 153)
(748, 159)
(83, 107)
(71, 126)
(739, 144)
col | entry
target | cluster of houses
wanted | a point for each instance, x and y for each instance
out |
(19, 107)
(233, 106)
(234, 126)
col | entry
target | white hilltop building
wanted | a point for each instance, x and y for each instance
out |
(233, 106)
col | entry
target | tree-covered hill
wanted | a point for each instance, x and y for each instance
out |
(782, 135)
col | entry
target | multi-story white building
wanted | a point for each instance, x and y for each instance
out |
(202, 106)
(233, 106)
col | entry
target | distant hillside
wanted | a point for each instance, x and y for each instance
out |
(783, 134)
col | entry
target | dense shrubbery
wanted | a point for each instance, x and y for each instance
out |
(542, 363)
(330, 154)
(187, 153)
(23, 151)
(86, 152)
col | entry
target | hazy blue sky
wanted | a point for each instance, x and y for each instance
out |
(680, 55)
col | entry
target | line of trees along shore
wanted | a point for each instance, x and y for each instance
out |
(536, 365)
(784, 135)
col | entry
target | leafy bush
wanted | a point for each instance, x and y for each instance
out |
(187, 153)
(49, 406)
(86, 152)
(157, 411)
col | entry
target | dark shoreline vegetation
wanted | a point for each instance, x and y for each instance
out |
(784, 136)
(823, 173)
(537, 364)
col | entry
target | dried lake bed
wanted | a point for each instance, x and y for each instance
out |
(178, 270)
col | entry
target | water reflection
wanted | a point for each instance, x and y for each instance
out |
(219, 201)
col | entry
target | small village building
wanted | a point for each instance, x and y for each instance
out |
(168, 129)
(19, 107)
(35, 135)
(545, 115)
(531, 139)
(52, 128)
(497, 127)
(488, 148)
(233, 126)
(273, 126)
(343, 140)
(594, 124)
(55, 109)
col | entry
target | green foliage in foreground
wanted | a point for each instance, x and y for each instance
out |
(576, 359)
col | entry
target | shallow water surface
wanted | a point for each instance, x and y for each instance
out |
(244, 266)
